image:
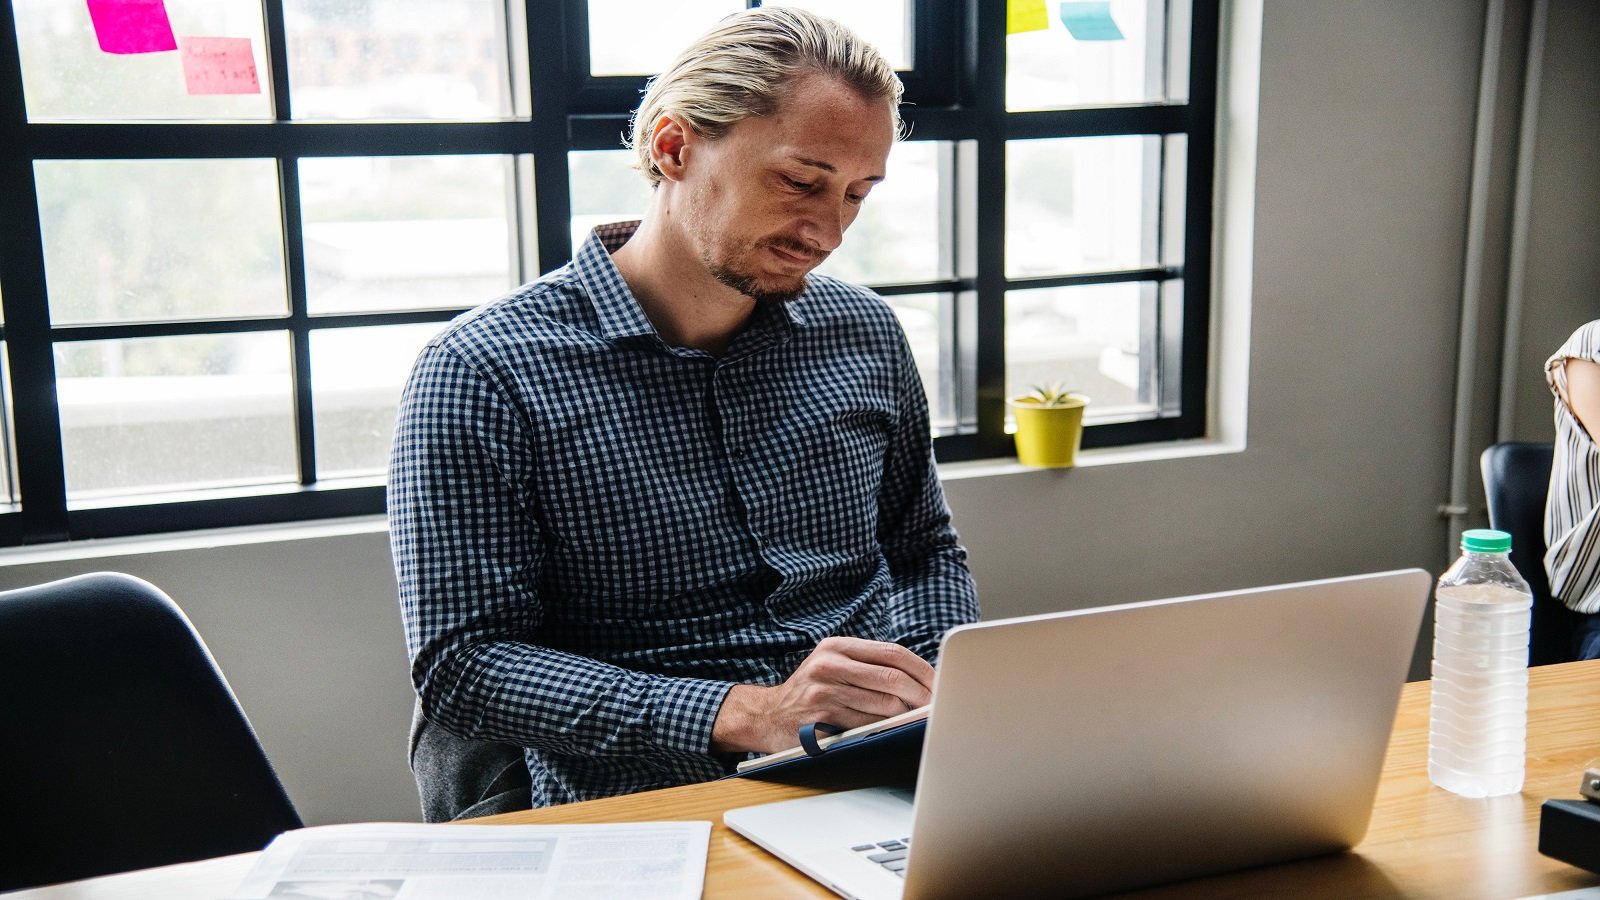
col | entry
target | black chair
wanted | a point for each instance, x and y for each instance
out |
(1516, 480)
(459, 778)
(123, 745)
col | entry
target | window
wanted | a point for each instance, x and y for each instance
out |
(231, 224)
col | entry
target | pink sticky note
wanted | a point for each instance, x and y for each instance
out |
(219, 65)
(131, 26)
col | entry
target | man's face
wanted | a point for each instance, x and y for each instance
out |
(769, 200)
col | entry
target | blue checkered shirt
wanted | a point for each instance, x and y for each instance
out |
(597, 534)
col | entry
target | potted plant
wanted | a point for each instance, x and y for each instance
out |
(1049, 425)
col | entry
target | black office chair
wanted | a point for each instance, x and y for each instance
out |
(123, 745)
(1516, 480)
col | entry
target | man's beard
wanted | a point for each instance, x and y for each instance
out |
(752, 287)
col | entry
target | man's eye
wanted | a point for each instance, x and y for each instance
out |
(857, 199)
(797, 185)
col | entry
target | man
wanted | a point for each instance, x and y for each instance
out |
(656, 510)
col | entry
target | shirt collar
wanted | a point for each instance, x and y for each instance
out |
(618, 310)
(620, 314)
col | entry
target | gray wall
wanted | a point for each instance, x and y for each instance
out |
(1365, 145)
(1562, 287)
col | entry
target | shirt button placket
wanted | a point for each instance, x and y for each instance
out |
(736, 453)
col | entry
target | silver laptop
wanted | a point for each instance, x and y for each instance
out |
(1106, 749)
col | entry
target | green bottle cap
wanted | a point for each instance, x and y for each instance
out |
(1485, 540)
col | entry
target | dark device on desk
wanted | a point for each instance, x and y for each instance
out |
(1569, 830)
(889, 756)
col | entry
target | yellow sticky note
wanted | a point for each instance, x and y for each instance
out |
(1026, 15)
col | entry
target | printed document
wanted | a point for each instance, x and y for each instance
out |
(485, 862)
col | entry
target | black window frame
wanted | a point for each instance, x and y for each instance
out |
(955, 93)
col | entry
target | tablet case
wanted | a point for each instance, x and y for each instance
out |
(887, 757)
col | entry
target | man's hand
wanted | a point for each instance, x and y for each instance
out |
(847, 682)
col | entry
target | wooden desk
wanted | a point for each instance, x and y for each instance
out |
(1424, 842)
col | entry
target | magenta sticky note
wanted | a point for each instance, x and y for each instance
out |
(132, 26)
(219, 65)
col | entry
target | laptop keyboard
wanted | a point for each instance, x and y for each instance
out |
(889, 854)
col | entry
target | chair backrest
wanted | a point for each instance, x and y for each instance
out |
(1516, 480)
(458, 778)
(123, 745)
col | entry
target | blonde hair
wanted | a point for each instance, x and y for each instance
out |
(742, 67)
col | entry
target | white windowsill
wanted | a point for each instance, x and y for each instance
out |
(191, 540)
(1105, 456)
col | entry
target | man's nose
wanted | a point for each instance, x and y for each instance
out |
(825, 222)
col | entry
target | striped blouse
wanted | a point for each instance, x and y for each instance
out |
(1572, 518)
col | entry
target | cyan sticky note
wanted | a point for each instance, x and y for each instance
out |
(132, 26)
(1090, 20)
(219, 65)
(1026, 15)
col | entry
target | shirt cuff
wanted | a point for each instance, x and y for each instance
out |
(683, 710)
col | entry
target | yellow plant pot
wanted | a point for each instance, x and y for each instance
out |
(1048, 436)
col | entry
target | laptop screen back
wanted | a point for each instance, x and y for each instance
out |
(1110, 748)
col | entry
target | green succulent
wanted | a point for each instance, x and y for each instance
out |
(1054, 394)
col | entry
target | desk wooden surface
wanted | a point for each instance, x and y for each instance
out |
(1423, 841)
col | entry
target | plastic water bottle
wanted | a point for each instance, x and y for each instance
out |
(1478, 721)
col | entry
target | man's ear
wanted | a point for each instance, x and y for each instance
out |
(667, 143)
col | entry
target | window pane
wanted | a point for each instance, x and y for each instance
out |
(1096, 338)
(885, 24)
(401, 59)
(926, 318)
(407, 232)
(1090, 54)
(1082, 205)
(627, 37)
(144, 240)
(8, 418)
(356, 377)
(897, 237)
(148, 415)
(110, 67)
(8, 431)
(604, 189)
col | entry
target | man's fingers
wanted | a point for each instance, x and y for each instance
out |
(905, 689)
(848, 682)
(881, 652)
(878, 665)
(848, 706)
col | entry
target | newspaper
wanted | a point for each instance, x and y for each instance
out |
(484, 862)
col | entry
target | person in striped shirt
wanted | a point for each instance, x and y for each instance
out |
(1572, 518)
